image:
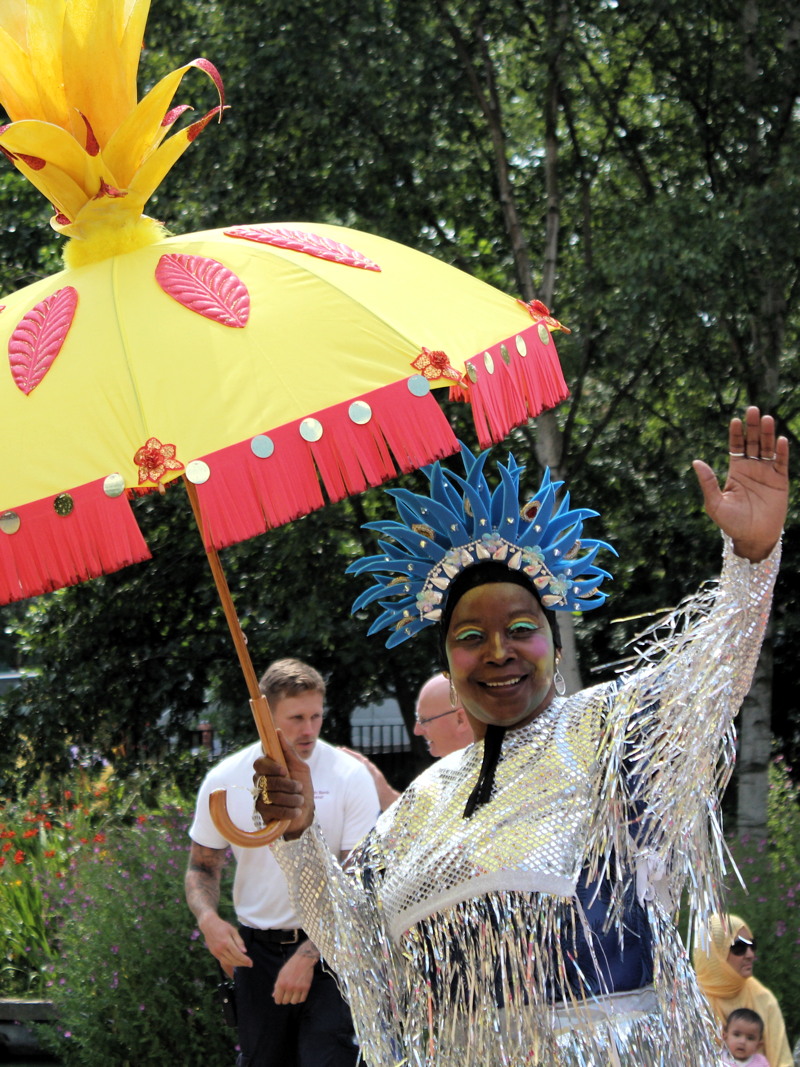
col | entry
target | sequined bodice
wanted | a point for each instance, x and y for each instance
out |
(527, 838)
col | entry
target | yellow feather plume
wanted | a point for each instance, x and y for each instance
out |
(77, 131)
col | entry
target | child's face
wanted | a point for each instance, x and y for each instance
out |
(742, 1038)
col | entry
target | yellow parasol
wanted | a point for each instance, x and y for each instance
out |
(271, 367)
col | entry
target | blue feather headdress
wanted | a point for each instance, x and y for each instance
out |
(463, 522)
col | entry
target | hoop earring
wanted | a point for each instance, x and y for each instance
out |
(453, 696)
(559, 684)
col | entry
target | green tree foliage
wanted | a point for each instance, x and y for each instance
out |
(641, 159)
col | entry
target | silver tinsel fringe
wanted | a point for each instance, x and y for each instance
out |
(453, 937)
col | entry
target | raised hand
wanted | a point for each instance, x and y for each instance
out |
(751, 506)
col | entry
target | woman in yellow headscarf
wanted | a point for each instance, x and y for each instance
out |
(725, 972)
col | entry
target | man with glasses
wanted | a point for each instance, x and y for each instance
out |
(444, 727)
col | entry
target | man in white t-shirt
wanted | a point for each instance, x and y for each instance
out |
(289, 1010)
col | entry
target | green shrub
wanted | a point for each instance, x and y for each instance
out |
(132, 982)
(39, 835)
(92, 916)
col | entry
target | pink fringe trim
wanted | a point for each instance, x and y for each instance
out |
(49, 550)
(246, 495)
(506, 387)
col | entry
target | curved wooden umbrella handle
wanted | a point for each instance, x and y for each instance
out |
(217, 802)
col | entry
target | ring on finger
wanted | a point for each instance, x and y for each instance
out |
(261, 786)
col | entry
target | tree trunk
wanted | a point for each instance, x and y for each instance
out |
(548, 443)
(549, 446)
(755, 747)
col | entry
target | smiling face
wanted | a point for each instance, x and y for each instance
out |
(300, 720)
(742, 1038)
(501, 655)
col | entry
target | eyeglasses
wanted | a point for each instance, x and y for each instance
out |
(741, 945)
(433, 718)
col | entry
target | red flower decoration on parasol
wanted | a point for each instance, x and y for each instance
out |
(154, 460)
(435, 365)
(540, 312)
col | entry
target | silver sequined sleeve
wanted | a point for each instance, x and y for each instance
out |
(341, 916)
(669, 742)
(312, 871)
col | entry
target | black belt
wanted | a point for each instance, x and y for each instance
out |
(279, 937)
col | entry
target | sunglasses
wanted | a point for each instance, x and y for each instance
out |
(741, 945)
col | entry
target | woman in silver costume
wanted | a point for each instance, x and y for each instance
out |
(516, 905)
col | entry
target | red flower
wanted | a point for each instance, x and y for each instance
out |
(50, 852)
(540, 312)
(19, 856)
(154, 460)
(433, 365)
(31, 833)
(100, 838)
(141, 819)
(7, 846)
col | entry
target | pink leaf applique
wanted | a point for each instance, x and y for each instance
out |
(300, 241)
(37, 340)
(206, 287)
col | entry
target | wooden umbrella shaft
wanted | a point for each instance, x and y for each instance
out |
(258, 702)
(239, 640)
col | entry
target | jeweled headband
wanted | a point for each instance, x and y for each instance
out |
(463, 522)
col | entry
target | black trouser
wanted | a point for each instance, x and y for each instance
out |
(316, 1033)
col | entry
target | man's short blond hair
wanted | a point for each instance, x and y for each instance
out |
(288, 678)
